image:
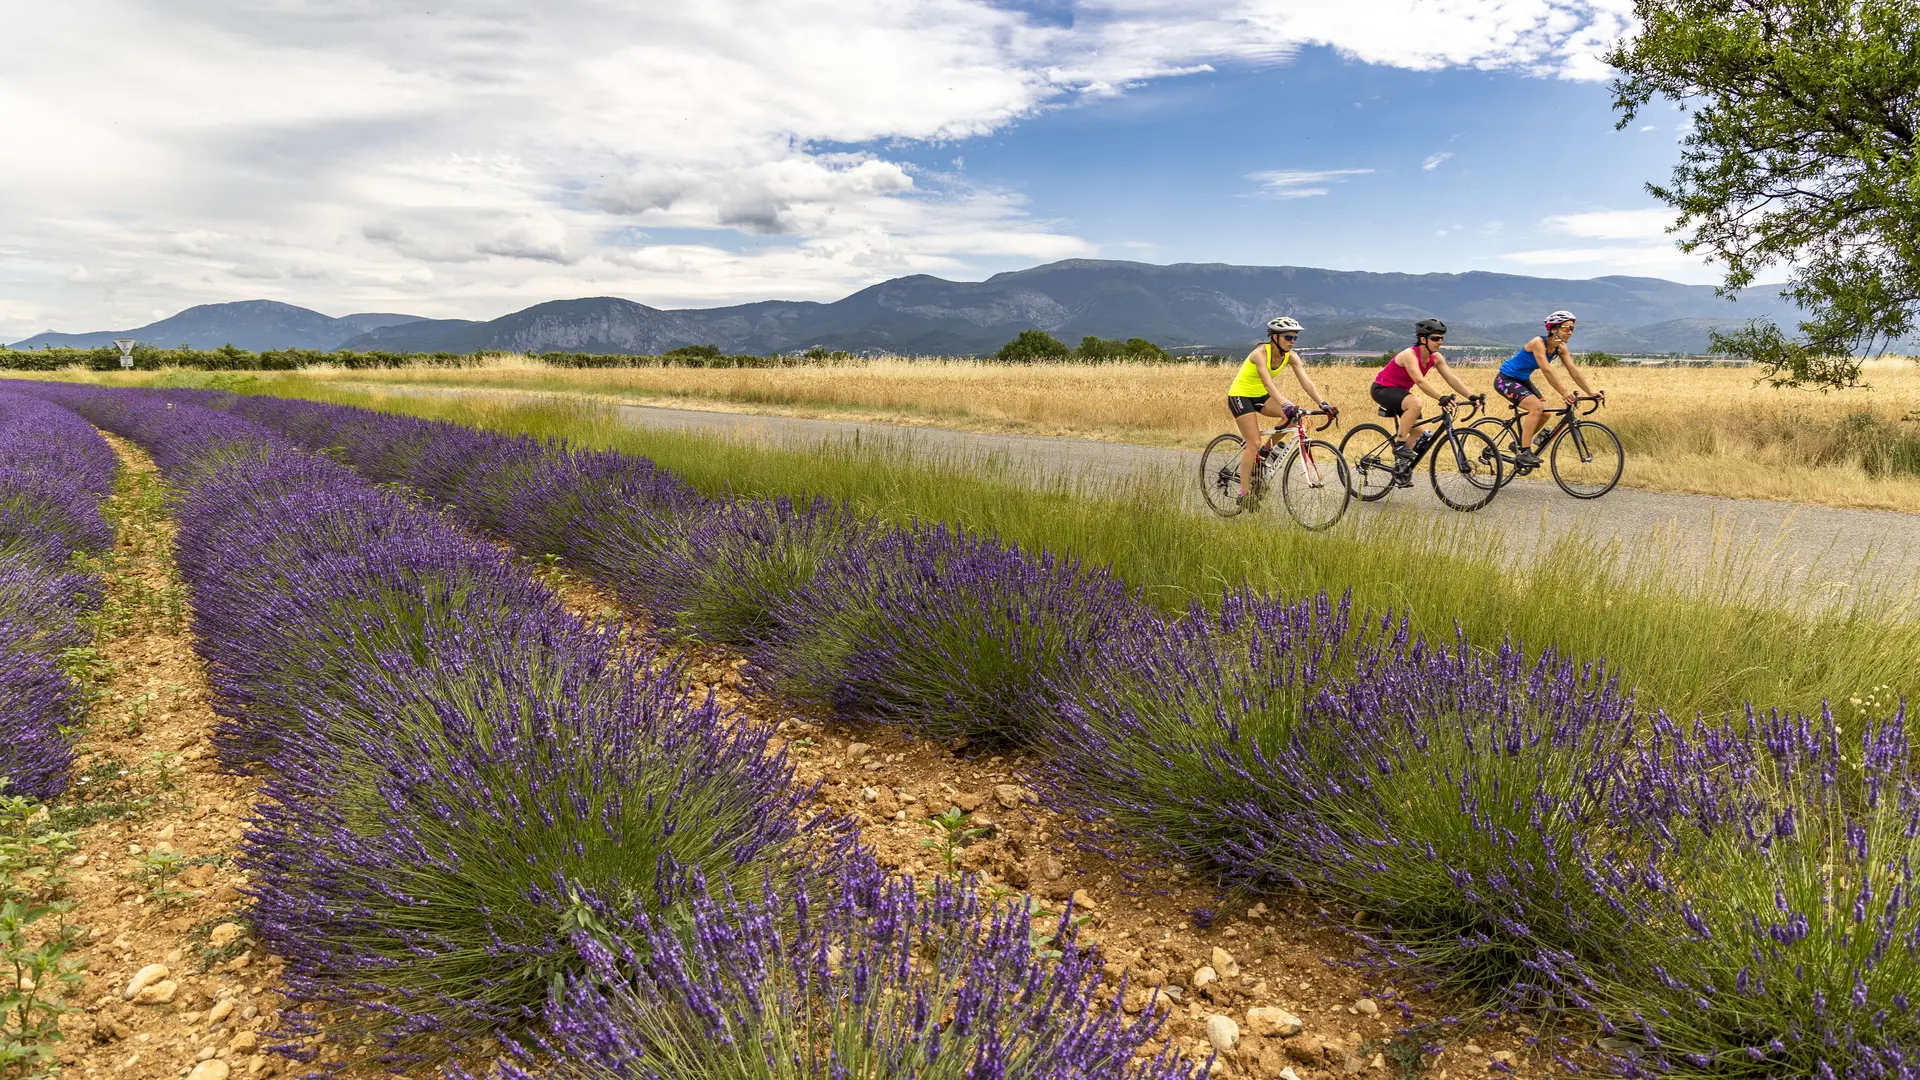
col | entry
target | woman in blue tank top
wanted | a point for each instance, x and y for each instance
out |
(1515, 380)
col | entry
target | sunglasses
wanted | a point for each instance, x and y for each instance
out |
(1289, 337)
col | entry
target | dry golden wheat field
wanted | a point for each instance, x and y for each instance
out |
(1713, 431)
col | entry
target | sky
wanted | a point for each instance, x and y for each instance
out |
(466, 158)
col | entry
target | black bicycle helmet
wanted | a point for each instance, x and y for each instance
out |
(1429, 328)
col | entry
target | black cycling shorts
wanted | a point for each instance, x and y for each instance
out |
(1390, 398)
(1241, 406)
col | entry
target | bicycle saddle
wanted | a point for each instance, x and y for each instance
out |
(1389, 413)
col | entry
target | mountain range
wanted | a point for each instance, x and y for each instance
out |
(1186, 305)
(249, 324)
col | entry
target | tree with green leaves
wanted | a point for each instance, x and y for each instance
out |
(1032, 346)
(1804, 153)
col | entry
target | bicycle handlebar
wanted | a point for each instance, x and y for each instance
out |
(1594, 402)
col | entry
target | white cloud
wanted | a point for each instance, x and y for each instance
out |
(1630, 242)
(1650, 224)
(1301, 183)
(475, 155)
(1434, 161)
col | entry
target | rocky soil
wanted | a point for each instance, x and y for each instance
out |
(174, 986)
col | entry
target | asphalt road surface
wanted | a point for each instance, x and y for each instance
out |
(1826, 552)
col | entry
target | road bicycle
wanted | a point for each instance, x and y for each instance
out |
(1464, 466)
(1312, 479)
(1585, 456)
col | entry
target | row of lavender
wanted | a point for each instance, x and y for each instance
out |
(482, 816)
(1720, 898)
(54, 472)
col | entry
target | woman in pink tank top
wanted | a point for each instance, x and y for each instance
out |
(1394, 387)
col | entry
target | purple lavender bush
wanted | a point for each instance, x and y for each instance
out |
(874, 979)
(54, 471)
(459, 774)
(729, 572)
(947, 634)
(1775, 928)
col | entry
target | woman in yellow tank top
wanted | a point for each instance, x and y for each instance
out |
(1254, 394)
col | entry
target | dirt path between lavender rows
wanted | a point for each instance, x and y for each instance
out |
(1157, 925)
(147, 784)
(1825, 550)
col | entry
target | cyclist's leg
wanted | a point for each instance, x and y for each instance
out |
(1533, 413)
(1410, 412)
(1247, 420)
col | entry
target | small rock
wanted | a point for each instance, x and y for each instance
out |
(1307, 1051)
(871, 795)
(144, 978)
(210, 1070)
(1224, 963)
(1472, 1049)
(1504, 1057)
(1379, 1061)
(1052, 868)
(160, 993)
(1154, 977)
(205, 1053)
(1083, 902)
(1366, 1007)
(857, 750)
(1202, 977)
(1353, 1064)
(77, 860)
(1009, 796)
(1270, 1022)
(968, 802)
(1222, 1032)
(197, 877)
(220, 1011)
(244, 1043)
(1288, 1074)
(166, 833)
(224, 935)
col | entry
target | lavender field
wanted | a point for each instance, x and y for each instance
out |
(485, 818)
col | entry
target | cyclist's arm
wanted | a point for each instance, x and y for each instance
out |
(1440, 365)
(1554, 381)
(1579, 376)
(1305, 380)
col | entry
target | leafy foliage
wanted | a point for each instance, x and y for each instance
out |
(1032, 346)
(1137, 349)
(1803, 151)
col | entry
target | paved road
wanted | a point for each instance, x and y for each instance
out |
(1834, 551)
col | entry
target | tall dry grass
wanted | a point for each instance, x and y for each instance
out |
(1712, 431)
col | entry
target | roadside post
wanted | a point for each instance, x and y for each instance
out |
(126, 345)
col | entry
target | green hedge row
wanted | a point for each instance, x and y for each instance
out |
(228, 358)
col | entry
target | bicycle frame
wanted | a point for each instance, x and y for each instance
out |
(1302, 438)
(1568, 416)
(1447, 422)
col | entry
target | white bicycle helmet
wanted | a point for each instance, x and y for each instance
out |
(1559, 317)
(1284, 325)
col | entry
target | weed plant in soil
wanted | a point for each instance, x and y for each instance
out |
(459, 774)
(1685, 637)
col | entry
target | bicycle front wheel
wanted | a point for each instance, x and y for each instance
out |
(1467, 470)
(1220, 474)
(1368, 453)
(1313, 485)
(1503, 433)
(1587, 459)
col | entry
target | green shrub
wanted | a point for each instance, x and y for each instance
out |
(1597, 358)
(1137, 349)
(1032, 346)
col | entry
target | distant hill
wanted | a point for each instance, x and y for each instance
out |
(1211, 305)
(248, 324)
(1190, 304)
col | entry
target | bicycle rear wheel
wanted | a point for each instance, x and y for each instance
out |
(1220, 474)
(1368, 453)
(1467, 470)
(1502, 433)
(1313, 485)
(1587, 459)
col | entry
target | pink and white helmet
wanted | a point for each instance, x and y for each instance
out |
(1557, 318)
